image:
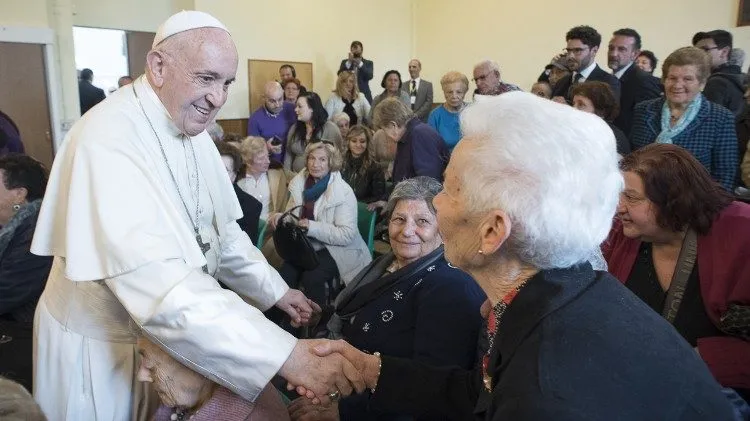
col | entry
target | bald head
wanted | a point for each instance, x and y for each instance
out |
(191, 72)
(273, 97)
(415, 68)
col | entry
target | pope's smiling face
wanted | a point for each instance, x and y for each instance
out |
(198, 69)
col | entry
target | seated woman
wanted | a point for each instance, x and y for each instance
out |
(360, 170)
(646, 61)
(292, 90)
(348, 99)
(329, 215)
(186, 395)
(251, 207)
(420, 150)
(342, 122)
(267, 182)
(597, 98)
(22, 274)
(676, 229)
(566, 342)
(684, 117)
(391, 85)
(312, 126)
(397, 305)
(444, 118)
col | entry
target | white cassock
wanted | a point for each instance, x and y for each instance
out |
(126, 259)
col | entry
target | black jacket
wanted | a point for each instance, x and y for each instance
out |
(89, 95)
(562, 88)
(573, 345)
(726, 87)
(251, 209)
(635, 86)
(368, 187)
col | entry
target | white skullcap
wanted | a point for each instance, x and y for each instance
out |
(185, 21)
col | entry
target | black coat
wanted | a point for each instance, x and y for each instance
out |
(726, 87)
(368, 187)
(635, 86)
(562, 88)
(251, 209)
(89, 95)
(573, 345)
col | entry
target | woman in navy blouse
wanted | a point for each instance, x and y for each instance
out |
(409, 303)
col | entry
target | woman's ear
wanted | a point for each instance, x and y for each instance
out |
(494, 231)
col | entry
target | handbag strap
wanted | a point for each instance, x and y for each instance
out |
(290, 212)
(685, 264)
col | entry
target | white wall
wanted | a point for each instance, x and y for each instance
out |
(23, 13)
(524, 35)
(317, 31)
(132, 15)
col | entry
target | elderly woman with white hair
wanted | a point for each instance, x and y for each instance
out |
(530, 190)
(343, 122)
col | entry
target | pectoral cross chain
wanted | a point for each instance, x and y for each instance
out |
(205, 247)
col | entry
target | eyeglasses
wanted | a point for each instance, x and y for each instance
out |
(707, 49)
(574, 51)
(481, 78)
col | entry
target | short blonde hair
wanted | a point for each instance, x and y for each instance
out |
(343, 76)
(688, 56)
(453, 77)
(334, 156)
(391, 110)
(251, 146)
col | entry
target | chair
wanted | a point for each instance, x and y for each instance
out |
(262, 225)
(366, 223)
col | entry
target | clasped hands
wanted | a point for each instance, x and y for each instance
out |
(322, 370)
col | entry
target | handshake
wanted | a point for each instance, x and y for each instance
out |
(321, 371)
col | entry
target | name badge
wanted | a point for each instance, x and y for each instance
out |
(413, 100)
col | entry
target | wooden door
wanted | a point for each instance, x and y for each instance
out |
(23, 96)
(139, 44)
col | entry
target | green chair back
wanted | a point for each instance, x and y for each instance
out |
(261, 233)
(366, 222)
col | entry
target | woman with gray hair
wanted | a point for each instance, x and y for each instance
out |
(409, 303)
(530, 190)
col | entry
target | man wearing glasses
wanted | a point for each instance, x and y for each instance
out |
(583, 44)
(725, 85)
(488, 81)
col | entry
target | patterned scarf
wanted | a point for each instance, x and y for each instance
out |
(668, 132)
(349, 110)
(492, 323)
(312, 192)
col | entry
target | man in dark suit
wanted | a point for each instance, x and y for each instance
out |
(582, 45)
(635, 84)
(361, 66)
(88, 94)
(419, 90)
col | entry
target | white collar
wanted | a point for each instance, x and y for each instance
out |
(142, 84)
(619, 73)
(587, 71)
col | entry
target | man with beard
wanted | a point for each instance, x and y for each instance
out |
(361, 66)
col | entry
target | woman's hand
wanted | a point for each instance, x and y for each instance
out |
(302, 409)
(273, 220)
(376, 205)
(304, 223)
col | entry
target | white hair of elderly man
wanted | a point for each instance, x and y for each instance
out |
(559, 166)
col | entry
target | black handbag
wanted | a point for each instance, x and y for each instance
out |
(292, 243)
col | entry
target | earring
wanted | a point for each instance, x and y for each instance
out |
(16, 207)
(481, 252)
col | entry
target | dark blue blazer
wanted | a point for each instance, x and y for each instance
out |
(562, 88)
(421, 151)
(573, 345)
(711, 137)
(635, 86)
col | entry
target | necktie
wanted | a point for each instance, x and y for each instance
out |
(577, 78)
(413, 92)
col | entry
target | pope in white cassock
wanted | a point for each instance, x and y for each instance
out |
(140, 216)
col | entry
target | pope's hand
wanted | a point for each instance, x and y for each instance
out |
(367, 365)
(320, 376)
(302, 409)
(298, 307)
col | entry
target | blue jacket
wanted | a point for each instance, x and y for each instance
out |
(711, 138)
(421, 151)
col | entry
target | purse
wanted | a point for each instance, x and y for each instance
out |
(292, 243)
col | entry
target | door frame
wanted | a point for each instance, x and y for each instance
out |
(45, 37)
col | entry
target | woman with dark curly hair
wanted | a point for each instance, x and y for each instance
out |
(683, 246)
(598, 98)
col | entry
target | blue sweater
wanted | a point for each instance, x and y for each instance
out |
(711, 137)
(447, 124)
(263, 124)
(421, 151)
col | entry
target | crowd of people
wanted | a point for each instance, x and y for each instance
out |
(576, 252)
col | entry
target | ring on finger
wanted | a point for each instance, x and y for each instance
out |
(334, 395)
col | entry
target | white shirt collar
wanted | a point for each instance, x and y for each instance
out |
(619, 73)
(587, 71)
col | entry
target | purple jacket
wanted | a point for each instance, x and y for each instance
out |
(10, 137)
(225, 405)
